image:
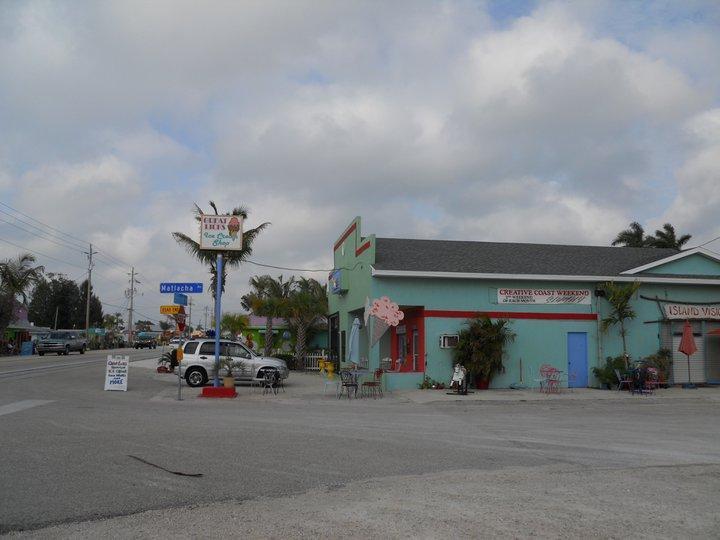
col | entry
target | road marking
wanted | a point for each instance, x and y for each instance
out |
(22, 405)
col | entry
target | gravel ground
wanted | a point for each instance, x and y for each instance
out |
(546, 502)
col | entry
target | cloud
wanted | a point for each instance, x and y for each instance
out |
(431, 120)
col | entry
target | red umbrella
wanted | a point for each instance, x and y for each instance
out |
(687, 346)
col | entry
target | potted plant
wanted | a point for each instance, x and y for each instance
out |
(481, 347)
(229, 364)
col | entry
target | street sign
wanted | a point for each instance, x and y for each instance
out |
(181, 287)
(170, 310)
(180, 299)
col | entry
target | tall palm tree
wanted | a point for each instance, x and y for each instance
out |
(666, 238)
(633, 236)
(235, 323)
(267, 298)
(305, 308)
(231, 259)
(18, 275)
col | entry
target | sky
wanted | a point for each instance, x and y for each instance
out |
(527, 121)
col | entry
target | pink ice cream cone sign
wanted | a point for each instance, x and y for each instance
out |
(386, 310)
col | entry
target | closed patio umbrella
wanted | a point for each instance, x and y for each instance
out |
(354, 342)
(687, 347)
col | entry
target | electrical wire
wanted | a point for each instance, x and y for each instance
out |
(303, 269)
(24, 248)
(49, 238)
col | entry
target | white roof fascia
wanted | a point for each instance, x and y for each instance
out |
(681, 255)
(539, 277)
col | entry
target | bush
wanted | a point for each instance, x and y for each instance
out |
(662, 361)
(606, 374)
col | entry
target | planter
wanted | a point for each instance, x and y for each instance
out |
(219, 392)
(229, 382)
(482, 384)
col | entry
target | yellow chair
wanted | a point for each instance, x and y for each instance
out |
(321, 365)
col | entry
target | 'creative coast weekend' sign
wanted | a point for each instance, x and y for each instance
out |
(223, 233)
(543, 296)
(116, 372)
(689, 311)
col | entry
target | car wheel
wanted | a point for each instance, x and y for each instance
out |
(196, 377)
(41, 353)
(67, 350)
(82, 349)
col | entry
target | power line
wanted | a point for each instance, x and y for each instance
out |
(40, 232)
(24, 248)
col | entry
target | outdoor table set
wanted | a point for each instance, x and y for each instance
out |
(352, 380)
(550, 379)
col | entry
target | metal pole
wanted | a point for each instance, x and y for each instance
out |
(56, 314)
(89, 280)
(179, 379)
(130, 309)
(218, 311)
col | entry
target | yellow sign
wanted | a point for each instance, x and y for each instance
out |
(169, 310)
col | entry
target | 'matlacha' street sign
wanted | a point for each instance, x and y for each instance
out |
(169, 310)
(181, 287)
(222, 233)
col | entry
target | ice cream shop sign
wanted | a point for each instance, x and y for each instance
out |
(221, 232)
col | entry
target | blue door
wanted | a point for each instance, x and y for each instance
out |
(577, 359)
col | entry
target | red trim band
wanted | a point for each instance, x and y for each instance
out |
(345, 235)
(362, 248)
(452, 314)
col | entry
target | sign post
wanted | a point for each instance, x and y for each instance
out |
(218, 313)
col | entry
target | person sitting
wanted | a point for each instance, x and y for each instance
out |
(459, 379)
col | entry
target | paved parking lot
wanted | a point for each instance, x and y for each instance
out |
(300, 464)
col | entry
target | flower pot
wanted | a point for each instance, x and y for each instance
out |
(228, 382)
(481, 384)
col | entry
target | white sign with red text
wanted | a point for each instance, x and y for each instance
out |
(689, 311)
(223, 233)
(544, 296)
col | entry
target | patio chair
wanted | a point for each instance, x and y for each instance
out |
(544, 377)
(374, 387)
(268, 383)
(623, 381)
(348, 384)
(398, 366)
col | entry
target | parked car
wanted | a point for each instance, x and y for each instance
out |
(62, 342)
(143, 342)
(198, 363)
(176, 341)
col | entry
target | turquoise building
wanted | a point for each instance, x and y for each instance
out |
(553, 295)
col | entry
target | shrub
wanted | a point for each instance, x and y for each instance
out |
(662, 361)
(606, 374)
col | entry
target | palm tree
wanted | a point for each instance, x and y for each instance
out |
(231, 259)
(619, 297)
(305, 307)
(267, 299)
(235, 323)
(18, 275)
(633, 236)
(481, 346)
(666, 238)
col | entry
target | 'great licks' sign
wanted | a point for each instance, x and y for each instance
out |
(544, 296)
(223, 233)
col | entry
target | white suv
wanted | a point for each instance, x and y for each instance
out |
(198, 363)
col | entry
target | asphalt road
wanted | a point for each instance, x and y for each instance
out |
(72, 452)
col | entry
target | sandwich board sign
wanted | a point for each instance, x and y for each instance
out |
(116, 372)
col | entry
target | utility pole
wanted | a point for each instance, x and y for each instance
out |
(130, 293)
(89, 281)
(56, 313)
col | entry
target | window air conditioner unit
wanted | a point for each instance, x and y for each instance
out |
(449, 341)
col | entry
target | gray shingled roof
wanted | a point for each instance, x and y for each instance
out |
(509, 258)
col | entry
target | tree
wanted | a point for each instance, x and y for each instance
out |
(165, 325)
(481, 346)
(235, 323)
(305, 307)
(633, 236)
(18, 275)
(619, 297)
(113, 322)
(666, 238)
(143, 326)
(96, 312)
(267, 298)
(231, 259)
(57, 295)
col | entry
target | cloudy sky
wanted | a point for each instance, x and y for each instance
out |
(554, 122)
